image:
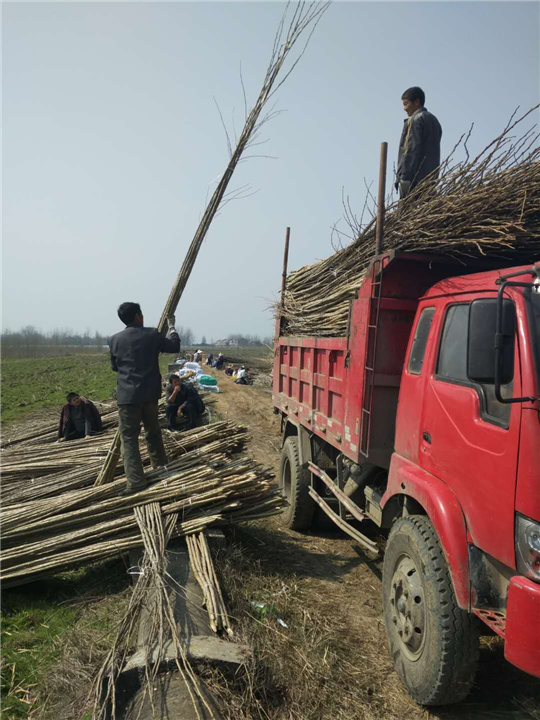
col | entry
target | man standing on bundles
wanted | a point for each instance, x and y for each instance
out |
(135, 357)
(420, 144)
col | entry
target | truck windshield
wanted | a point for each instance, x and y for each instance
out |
(533, 304)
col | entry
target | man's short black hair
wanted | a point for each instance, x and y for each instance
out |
(414, 93)
(127, 312)
(71, 396)
(172, 377)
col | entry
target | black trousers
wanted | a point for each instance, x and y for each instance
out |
(189, 411)
(74, 435)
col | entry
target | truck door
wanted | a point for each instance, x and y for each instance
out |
(467, 438)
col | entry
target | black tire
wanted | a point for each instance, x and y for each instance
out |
(322, 522)
(295, 483)
(433, 642)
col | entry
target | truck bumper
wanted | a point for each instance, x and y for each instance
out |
(522, 642)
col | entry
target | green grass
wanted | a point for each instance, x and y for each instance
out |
(32, 384)
(77, 610)
(31, 628)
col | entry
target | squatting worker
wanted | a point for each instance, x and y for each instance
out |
(182, 399)
(79, 418)
(420, 144)
(135, 357)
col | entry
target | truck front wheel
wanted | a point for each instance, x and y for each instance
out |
(295, 483)
(433, 642)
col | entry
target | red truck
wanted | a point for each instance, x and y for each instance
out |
(424, 420)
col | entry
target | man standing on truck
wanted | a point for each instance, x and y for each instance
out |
(420, 144)
(135, 357)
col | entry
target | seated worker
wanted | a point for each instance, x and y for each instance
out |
(182, 399)
(79, 418)
(219, 362)
(241, 376)
(229, 370)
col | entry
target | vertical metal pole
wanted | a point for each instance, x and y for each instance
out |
(379, 233)
(284, 278)
(285, 262)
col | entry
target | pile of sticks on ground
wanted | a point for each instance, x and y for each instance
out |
(204, 485)
(38, 466)
(488, 206)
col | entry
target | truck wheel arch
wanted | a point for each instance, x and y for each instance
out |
(438, 502)
(290, 428)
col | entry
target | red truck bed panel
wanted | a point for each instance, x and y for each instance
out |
(309, 383)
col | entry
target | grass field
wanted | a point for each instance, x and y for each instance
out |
(31, 385)
(55, 633)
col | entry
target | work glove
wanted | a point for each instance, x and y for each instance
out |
(404, 188)
(171, 322)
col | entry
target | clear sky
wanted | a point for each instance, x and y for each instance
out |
(111, 142)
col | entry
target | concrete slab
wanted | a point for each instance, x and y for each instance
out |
(189, 613)
(209, 649)
(170, 700)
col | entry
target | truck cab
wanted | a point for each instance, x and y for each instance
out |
(426, 417)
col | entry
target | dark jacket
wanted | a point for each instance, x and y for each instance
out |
(135, 357)
(419, 147)
(186, 394)
(90, 412)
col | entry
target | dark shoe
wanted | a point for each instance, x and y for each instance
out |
(131, 490)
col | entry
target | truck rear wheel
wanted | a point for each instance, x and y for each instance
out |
(433, 642)
(295, 483)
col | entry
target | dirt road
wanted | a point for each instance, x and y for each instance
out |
(331, 661)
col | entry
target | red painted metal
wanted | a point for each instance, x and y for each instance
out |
(477, 459)
(522, 646)
(496, 620)
(470, 475)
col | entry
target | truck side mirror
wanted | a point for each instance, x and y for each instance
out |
(481, 353)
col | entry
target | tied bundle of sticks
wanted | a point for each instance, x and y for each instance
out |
(487, 206)
(203, 569)
(152, 592)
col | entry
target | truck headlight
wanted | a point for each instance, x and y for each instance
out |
(528, 547)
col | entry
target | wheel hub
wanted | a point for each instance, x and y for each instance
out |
(407, 602)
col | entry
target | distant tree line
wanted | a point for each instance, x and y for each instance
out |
(239, 340)
(31, 342)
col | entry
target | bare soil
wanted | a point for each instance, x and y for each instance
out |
(331, 661)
